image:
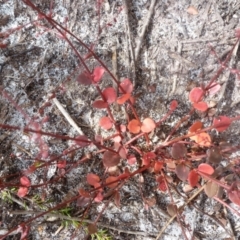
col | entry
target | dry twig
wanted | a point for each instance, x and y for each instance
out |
(147, 21)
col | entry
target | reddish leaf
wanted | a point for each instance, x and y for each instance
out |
(99, 139)
(193, 178)
(123, 152)
(158, 166)
(123, 98)
(92, 228)
(123, 128)
(234, 196)
(92, 179)
(100, 104)
(110, 159)
(200, 106)
(117, 139)
(211, 189)
(106, 123)
(25, 181)
(206, 168)
(237, 32)
(213, 90)
(221, 123)
(83, 201)
(110, 94)
(196, 95)
(3, 45)
(161, 184)
(173, 105)
(99, 197)
(192, 10)
(98, 73)
(203, 139)
(148, 125)
(131, 160)
(127, 86)
(147, 158)
(150, 201)
(111, 179)
(22, 192)
(134, 126)
(61, 164)
(178, 150)
(182, 171)
(82, 141)
(84, 78)
(196, 126)
(84, 193)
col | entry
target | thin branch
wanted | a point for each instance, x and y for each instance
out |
(130, 41)
(147, 21)
(78, 219)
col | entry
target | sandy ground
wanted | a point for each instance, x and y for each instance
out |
(173, 58)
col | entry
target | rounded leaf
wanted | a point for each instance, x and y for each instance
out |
(192, 10)
(110, 159)
(161, 184)
(203, 139)
(196, 95)
(200, 106)
(221, 123)
(148, 125)
(193, 178)
(173, 105)
(98, 73)
(110, 94)
(99, 197)
(211, 189)
(158, 166)
(100, 104)
(25, 181)
(131, 159)
(134, 126)
(22, 192)
(123, 98)
(127, 86)
(206, 168)
(172, 209)
(111, 179)
(214, 89)
(196, 126)
(182, 171)
(178, 150)
(234, 196)
(214, 155)
(92, 179)
(92, 228)
(84, 78)
(105, 122)
(148, 157)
